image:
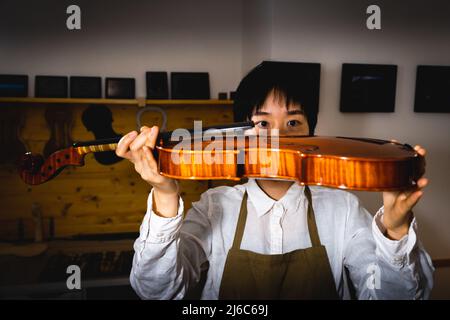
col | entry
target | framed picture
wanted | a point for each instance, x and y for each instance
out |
(85, 87)
(368, 88)
(307, 75)
(432, 89)
(120, 88)
(190, 85)
(157, 85)
(51, 87)
(13, 85)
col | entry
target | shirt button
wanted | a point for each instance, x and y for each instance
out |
(159, 234)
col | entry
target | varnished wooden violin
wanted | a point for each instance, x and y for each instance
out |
(337, 162)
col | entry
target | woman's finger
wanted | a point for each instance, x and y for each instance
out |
(420, 150)
(150, 159)
(412, 199)
(153, 136)
(124, 144)
(137, 144)
(148, 166)
(140, 140)
(422, 183)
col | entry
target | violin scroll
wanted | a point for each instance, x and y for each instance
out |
(30, 162)
(34, 169)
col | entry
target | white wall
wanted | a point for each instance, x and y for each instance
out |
(124, 39)
(256, 33)
(328, 32)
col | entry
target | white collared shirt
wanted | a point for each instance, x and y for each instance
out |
(171, 253)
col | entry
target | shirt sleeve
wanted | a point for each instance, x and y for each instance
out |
(381, 268)
(397, 252)
(171, 253)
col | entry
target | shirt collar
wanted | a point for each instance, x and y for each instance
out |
(263, 203)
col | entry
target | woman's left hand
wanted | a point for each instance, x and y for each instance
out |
(397, 206)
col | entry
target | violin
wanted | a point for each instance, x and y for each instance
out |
(228, 154)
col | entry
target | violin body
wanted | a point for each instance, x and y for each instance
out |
(336, 162)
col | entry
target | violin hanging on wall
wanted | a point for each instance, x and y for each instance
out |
(11, 123)
(336, 162)
(60, 122)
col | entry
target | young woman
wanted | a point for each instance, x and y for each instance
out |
(268, 239)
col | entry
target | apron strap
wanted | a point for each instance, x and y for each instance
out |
(241, 223)
(312, 226)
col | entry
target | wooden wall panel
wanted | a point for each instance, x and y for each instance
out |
(95, 198)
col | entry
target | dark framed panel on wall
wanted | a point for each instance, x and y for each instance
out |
(432, 89)
(189, 85)
(120, 88)
(368, 87)
(157, 85)
(85, 87)
(51, 87)
(13, 85)
(307, 75)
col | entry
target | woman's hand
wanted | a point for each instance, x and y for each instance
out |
(397, 206)
(137, 147)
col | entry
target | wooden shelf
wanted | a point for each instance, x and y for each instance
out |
(137, 102)
(190, 102)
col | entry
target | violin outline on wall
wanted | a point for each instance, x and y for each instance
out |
(98, 119)
(11, 123)
(59, 121)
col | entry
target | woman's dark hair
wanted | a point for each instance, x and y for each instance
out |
(284, 81)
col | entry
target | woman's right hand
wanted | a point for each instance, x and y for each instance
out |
(137, 147)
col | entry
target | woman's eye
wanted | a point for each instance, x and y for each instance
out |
(293, 123)
(263, 124)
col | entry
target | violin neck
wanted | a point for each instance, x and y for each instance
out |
(100, 145)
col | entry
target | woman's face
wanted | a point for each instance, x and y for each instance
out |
(277, 119)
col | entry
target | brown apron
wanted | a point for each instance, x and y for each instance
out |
(299, 274)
